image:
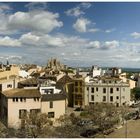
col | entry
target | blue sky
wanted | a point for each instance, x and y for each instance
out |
(77, 33)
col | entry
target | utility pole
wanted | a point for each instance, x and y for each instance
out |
(125, 120)
(126, 128)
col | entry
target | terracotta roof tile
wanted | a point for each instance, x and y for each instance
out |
(28, 93)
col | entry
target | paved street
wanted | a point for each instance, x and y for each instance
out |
(133, 130)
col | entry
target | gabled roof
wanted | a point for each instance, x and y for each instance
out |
(65, 79)
(31, 81)
(62, 81)
(28, 93)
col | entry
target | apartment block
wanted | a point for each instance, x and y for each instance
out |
(107, 90)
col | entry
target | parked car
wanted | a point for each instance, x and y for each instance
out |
(85, 122)
(89, 133)
(108, 131)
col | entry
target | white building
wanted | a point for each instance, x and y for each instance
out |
(107, 90)
(23, 74)
(96, 71)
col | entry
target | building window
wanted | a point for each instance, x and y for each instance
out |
(104, 98)
(111, 90)
(117, 105)
(36, 99)
(78, 96)
(96, 89)
(76, 102)
(123, 89)
(24, 99)
(87, 88)
(123, 97)
(81, 90)
(80, 83)
(117, 97)
(21, 99)
(92, 97)
(111, 98)
(104, 90)
(76, 89)
(48, 91)
(123, 103)
(34, 111)
(9, 86)
(92, 90)
(80, 102)
(117, 89)
(51, 104)
(50, 114)
(76, 83)
(22, 114)
(16, 99)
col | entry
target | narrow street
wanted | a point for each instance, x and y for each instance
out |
(133, 130)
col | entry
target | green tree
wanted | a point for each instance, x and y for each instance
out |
(68, 127)
(135, 93)
(37, 125)
(105, 116)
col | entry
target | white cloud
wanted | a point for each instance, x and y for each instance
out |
(136, 35)
(110, 30)
(63, 54)
(9, 42)
(74, 12)
(62, 40)
(78, 10)
(4, 8)
(94, 30)
(29, 39)
(94, 44)
(81, 24)
(52, 41)
(86, 5)
(131, 44)
(14, 57)
(75, 54)
(36, 5)
(110, 44)
(59, 40)
(40, 21)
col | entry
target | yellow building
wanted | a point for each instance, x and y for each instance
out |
(10, 73)
(78, 91)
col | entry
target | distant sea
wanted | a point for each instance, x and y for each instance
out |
(135, 70)
(131, 69)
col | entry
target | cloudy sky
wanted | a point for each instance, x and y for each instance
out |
(77, 33)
